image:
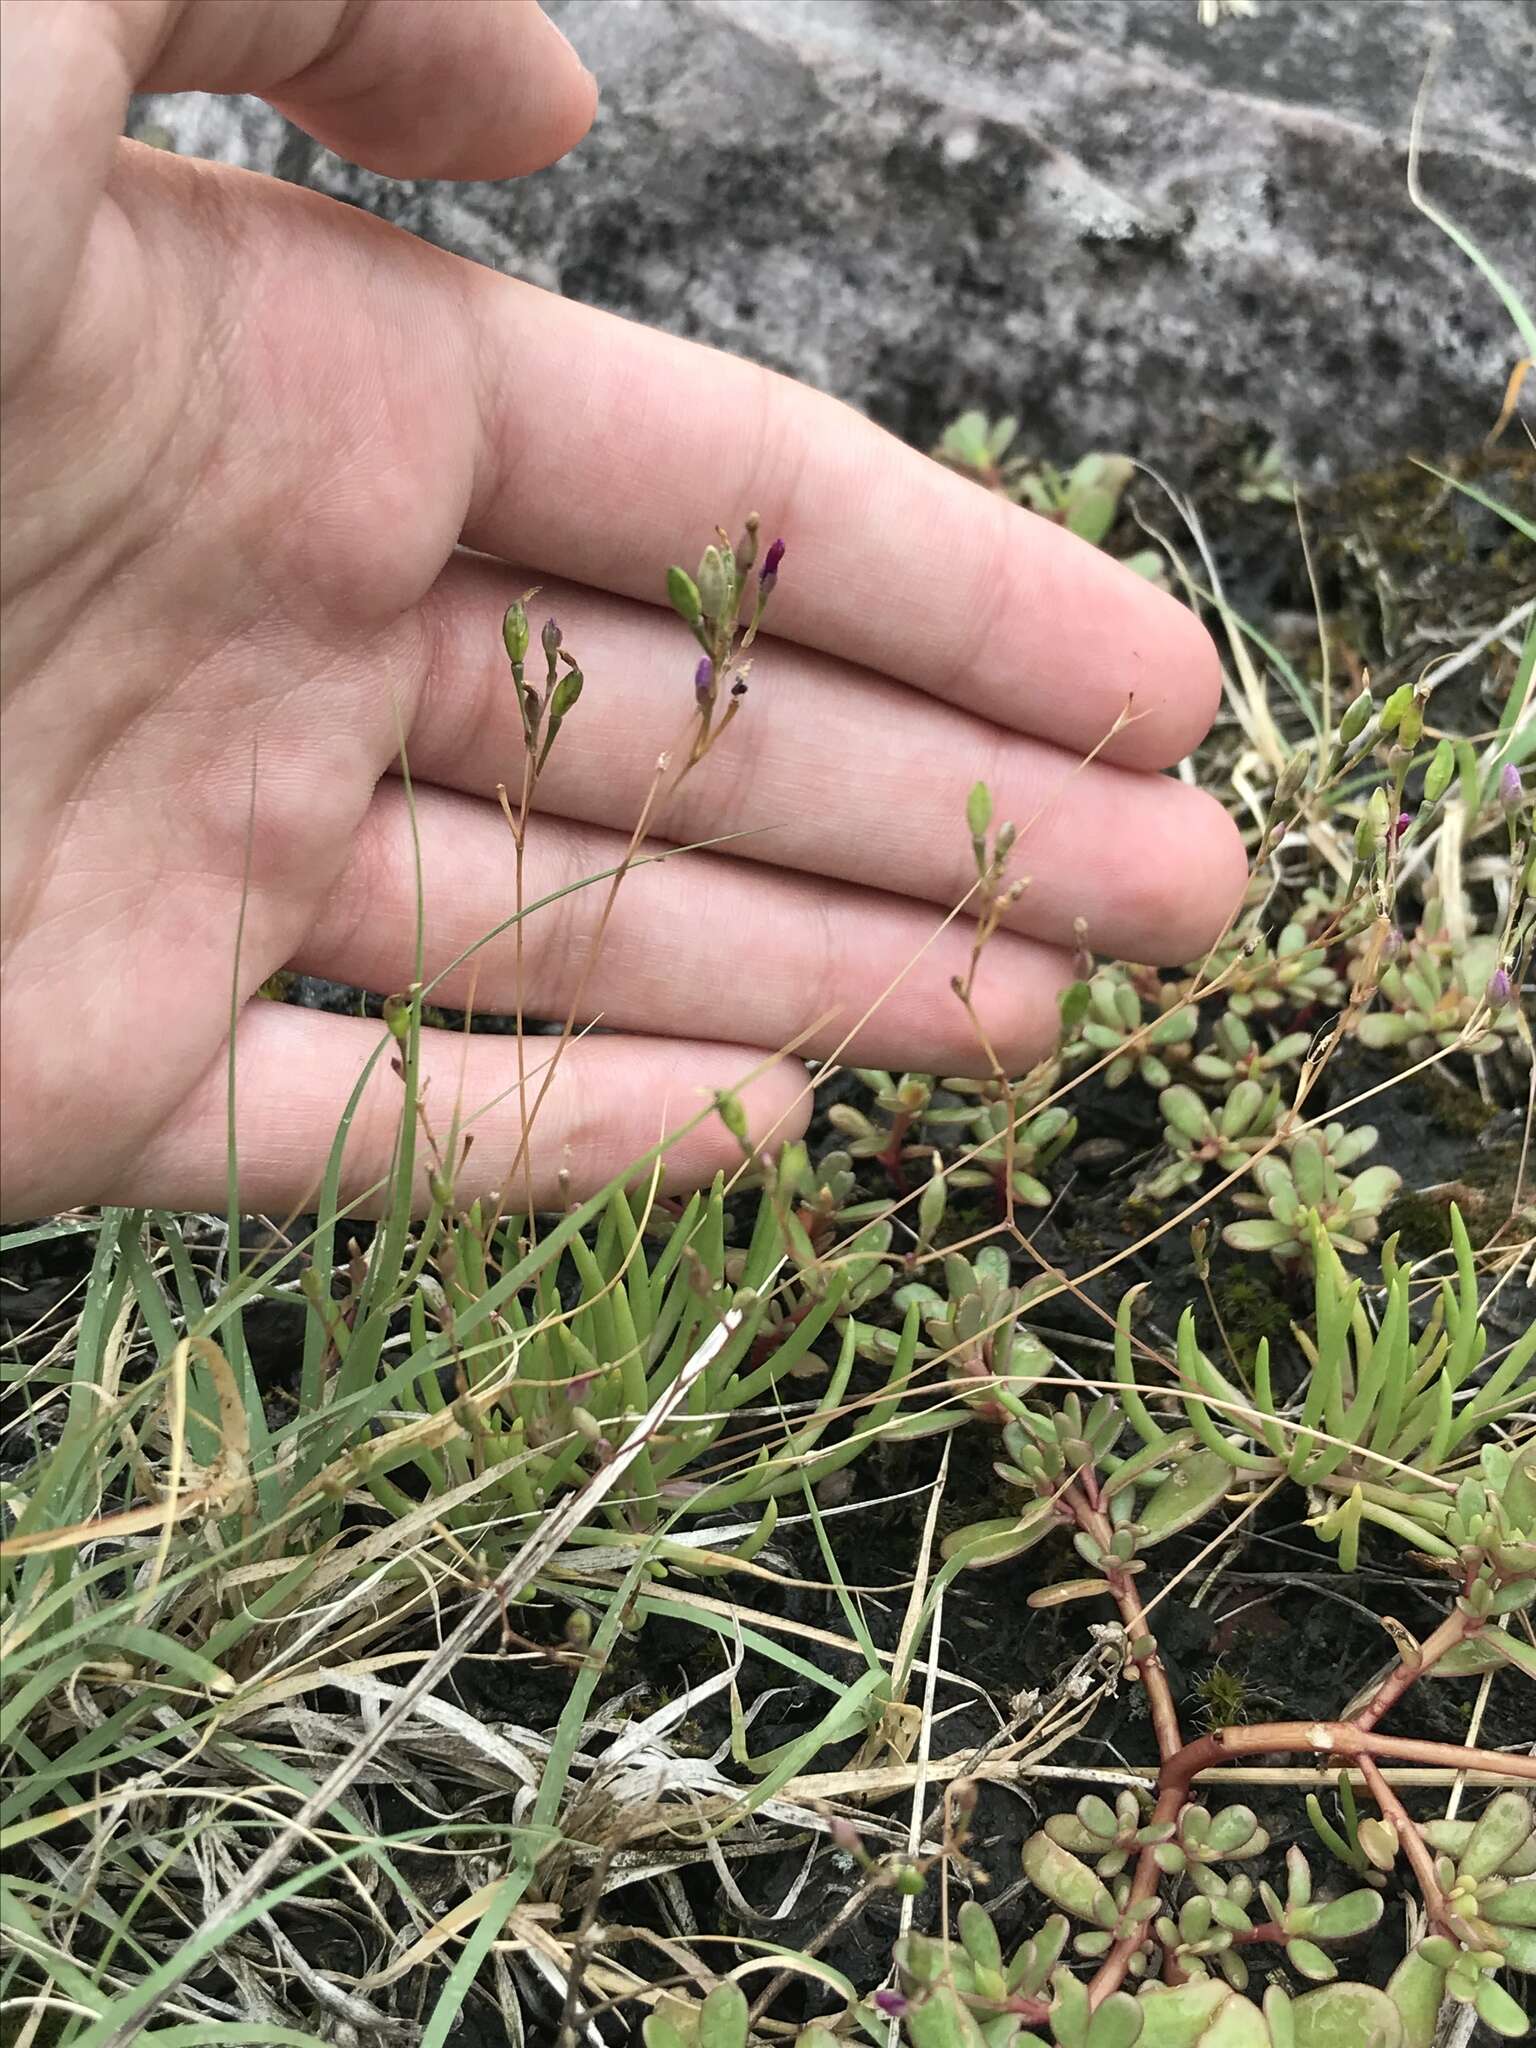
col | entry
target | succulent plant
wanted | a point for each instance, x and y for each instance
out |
(975, 1325)
(1306, 1191)
(1383, 1414)
(881, 1132)
(1234, 1054)
(1486, 1870)
(1200, 1137)
(1116, 1023)
(1432, 993)
(1008, 1147)
(1293, 972)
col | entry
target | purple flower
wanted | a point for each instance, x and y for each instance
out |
(891, 2003)
(1499, 988)
(704, 680)
(1511, 788)
(770, 571)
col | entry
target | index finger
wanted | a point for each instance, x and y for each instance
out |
(609, 449)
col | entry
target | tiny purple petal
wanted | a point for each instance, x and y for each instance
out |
(891, 2003)
(1403, 821)
(1500, 988)
(1511, 788)
(772, 559)
(704, 679)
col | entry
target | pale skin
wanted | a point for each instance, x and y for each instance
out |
(272, 472)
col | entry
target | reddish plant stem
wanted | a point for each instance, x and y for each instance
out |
(1455, 1629)
(1268, 1932)
(1415, 1848)
(890, 1158)
(1338, 1739)
(1082, 1498)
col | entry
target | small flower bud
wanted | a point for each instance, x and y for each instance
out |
(514, 632)
(1400, 825)
(845, 1836)
(550, 638)
(893, 2004)
(746, 547)
(683, 595)
(586, 1425)
(704, 681)
(578, 1628)
(1393, 711)
(714, 589)
(1511, 788)
(770, 571)
(1290, 778)
(1500, 988)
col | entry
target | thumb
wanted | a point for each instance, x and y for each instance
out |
(412, 88)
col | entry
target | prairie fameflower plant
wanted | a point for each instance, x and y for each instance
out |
(723, 608)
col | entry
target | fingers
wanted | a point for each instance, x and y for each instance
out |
(412, 88)
(835, 772)
(611, 1100)
(779, 955)
(895, 563)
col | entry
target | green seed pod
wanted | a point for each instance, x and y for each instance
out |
(1437, 776)
(1395, 708)
(683, 596)
(1355, 718)
(978, 810)
(397, 1015)
(567, 690)
(734, 1117)
(514, 632)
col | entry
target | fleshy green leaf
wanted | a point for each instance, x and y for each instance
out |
(1178, 2018)
(1191, 1490)
(1499, 1832)
(723, 2018)
(1347, 2016)
(1067, 1882)
(1496, 2009)
(981, 1543)
(1417, 1989)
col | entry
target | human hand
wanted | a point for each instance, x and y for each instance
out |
(251, 438)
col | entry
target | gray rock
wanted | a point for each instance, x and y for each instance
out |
(1130, 230)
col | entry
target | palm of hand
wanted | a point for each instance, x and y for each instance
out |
(266, 463)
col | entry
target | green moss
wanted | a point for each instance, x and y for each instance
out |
(1422, 1223)
(1452, 1106)
(1248, 1306)
(1405, 548)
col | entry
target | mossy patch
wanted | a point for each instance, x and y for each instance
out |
(1249, 1306)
